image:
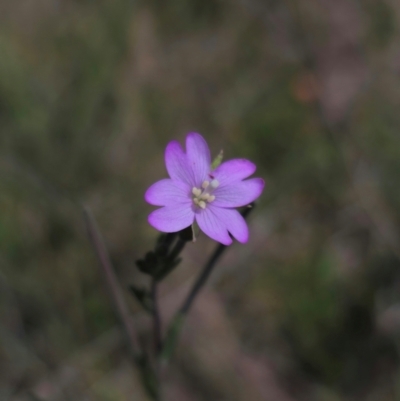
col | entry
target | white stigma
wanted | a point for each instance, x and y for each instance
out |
(204, 196)
(215, 183)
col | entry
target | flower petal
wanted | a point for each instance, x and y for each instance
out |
(234, 170)
(234, 222)
(198, 155)
(239, 193)
(177, 164)
(168, 192)
(210, 223)
(172, 218)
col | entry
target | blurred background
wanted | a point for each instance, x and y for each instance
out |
(91, 93)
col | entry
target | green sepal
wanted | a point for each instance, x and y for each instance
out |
(218, 160)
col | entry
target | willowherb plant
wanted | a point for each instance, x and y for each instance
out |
(198, 191)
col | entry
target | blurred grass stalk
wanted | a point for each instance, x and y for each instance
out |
(147, 374)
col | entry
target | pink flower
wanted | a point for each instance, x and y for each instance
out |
(196, 192)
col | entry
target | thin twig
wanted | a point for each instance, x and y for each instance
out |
(156, 317)
(201, 280)
(207, 269)
(112, 282)
(157, 337)
(149, 377)
(177, 322)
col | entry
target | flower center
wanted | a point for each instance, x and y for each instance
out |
(204, 195)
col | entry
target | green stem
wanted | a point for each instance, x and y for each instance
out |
(172, 337)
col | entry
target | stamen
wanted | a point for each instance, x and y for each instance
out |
(203, 196)
(202, 204)
(196, 191)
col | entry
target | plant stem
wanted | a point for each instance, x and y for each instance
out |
(156, 318)
(179, 318)
(201, 279)
(148, 375)
(176, 324)
(112, 283)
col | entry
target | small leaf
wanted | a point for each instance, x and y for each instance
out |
(143, 297)
(167, 269)
(161, 250)
(149, 264)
